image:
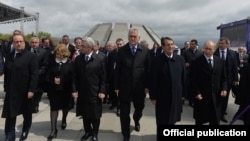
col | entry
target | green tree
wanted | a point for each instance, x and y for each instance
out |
(27, 36)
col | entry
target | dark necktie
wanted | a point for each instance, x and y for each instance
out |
(133, 50)
(210, 64)
(223, 55)
(194, 51)
(17, 55)
(86, 58)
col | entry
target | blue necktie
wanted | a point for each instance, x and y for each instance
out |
(86, 58)
(133, 50)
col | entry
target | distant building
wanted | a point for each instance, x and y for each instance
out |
(111, 31)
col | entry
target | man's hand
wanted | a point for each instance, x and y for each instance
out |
(30, 95)
(75, 94)
(101, 95)
(199, 97)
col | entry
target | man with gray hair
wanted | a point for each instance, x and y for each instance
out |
(90, 78)
(130, 80)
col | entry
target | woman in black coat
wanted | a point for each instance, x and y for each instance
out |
(61, 86)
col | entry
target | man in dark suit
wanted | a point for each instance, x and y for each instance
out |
(10, 47)
(65, 40)
(90, 77)
(111, 64)
(231, 67)
(42, 57)
(20, 81)
(46, 45)
(166, 85)
(189, 55)
(242, 57)
(154, 51)
(185, 48)
(130, 80)
(208, 85)
(71, 48)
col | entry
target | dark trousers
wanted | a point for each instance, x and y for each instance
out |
(114, 98)
(125, 112)
(10, 124)
(10, 131)
(91, 126)
(27, 120)
(37, 98)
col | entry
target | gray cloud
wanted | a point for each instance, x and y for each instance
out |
(179, 19)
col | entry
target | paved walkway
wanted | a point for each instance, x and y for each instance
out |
(110, 124)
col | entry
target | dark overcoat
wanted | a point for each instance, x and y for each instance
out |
(209, 84)
(90, 80)
(20, 77)
(243, 97)
(167, 80)
(131, 72)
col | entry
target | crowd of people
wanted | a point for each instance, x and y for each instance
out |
(86, 76)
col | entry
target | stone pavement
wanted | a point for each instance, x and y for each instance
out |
(109, 127)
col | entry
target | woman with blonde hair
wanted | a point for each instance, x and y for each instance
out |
(61, 86)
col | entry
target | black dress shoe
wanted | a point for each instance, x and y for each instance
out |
(24, 135)
(36, 109)
(118, 112)
(94, 137)
(223, 119)
(86, 136)
(52, 135)
(112, 107)
(64, 125)
(137, 127)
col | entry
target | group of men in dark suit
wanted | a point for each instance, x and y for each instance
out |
(135, 72)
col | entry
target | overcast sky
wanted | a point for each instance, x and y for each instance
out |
(179, 19)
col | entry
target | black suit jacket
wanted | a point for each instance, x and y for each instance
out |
(131, 72)
(42, 58)
(71, 50)
(231, 66)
